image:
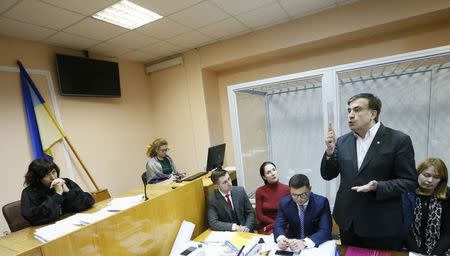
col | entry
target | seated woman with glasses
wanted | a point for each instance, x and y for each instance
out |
(268, 197)
(47, 196)
(427, 210)
(303, 219)
(160, 166)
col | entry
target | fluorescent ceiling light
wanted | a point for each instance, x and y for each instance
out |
(127, 15)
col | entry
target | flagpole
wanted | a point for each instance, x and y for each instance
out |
(71, 146)
(81, 162)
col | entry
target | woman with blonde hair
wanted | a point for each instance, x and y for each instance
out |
(160, 166)
(427, 209)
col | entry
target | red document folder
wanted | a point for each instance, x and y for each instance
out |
(357, 251)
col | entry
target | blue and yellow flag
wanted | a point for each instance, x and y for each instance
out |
(43, 127)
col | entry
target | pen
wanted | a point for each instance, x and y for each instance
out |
(209, 243)
(242, 248)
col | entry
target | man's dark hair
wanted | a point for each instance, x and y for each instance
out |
(37, 169)
(217, 173)
(374, 102)
(299, 180)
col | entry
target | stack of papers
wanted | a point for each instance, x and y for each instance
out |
(89, 218)
(236, 242)
(122, 203)
(233, 242)
(54, 231)
(78, 220)
(219, 237)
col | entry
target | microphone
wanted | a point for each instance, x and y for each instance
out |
(144, 180)
(145, 192)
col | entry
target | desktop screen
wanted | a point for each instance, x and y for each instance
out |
(215, 157)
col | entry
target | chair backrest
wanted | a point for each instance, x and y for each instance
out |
(13, 216)
(144, 178)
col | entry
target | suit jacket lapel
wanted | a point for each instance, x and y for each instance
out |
(224, 204)
(308, 211)
(374, 146)
(293, 210)
(235, 201)
(352, 150)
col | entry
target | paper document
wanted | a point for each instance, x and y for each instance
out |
(54, 231)
(74, 219)
(122, 203)
(326, 249)
(219, 237)
(249, 247)
(89, 218)
(237, 241)
(183, 237)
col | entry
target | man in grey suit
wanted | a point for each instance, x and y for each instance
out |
(376, 165)
(228, 207)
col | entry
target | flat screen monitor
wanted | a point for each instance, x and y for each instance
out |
(87, 77)
(215, 157)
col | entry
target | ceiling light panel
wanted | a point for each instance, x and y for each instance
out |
(127, 15)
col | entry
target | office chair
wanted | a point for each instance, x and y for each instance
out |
(144, 180)
(13, 216)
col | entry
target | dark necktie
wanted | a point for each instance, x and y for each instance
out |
(227, 197)
(301, 214)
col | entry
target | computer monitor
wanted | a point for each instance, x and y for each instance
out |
(215, 157)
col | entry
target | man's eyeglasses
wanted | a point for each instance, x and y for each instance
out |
(302, 195)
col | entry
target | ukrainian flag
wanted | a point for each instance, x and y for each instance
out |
(43, 127)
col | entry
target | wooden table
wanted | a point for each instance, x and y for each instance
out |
(148, 228)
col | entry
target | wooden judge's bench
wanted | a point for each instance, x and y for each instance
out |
(148, 228)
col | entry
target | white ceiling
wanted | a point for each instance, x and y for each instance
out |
(187, 24)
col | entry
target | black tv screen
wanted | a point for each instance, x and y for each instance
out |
(87, 77)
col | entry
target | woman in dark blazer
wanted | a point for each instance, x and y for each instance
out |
(427, 210)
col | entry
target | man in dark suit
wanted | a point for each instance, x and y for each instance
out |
(376, 165)
(303, 219)
(229, 208)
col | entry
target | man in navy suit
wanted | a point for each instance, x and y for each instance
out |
(376, 165)
(303, 219)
